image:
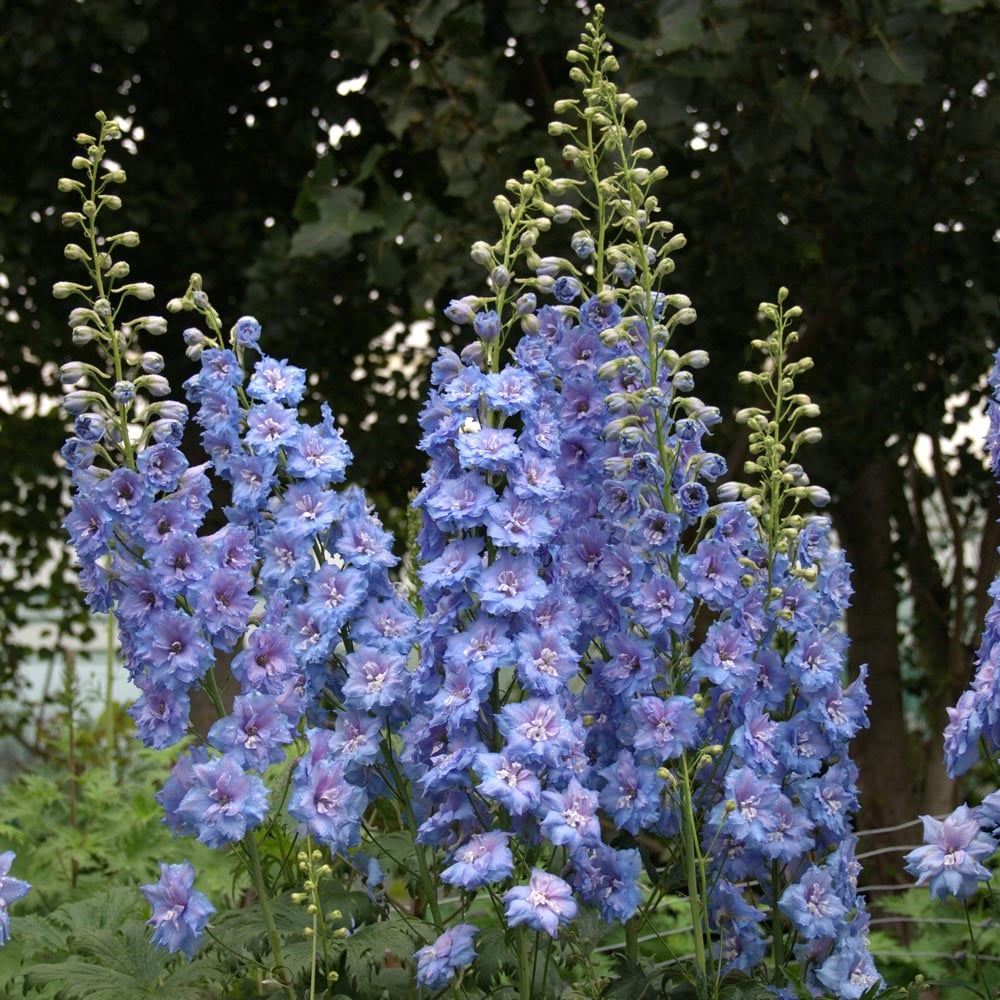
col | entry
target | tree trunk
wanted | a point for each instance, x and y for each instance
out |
(888, 793)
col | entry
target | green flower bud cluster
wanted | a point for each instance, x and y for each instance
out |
(120, 389)
(314, 870)
(622, 250)
(778, 430)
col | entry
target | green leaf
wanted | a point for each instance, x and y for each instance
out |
(632, 981)
(508, 119)
(381, 26)
(367, 948)
(876, 106)
(341, 217)
(427, 16)
(38, 935)
(678, 25)
(899, 63)
(492, 955)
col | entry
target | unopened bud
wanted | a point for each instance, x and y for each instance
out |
(71, 372)
(126, 239)
(141, 290)
(64, 289)
(481, 253)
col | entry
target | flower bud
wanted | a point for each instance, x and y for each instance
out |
(70, 219)
(462, 310)
(481, 253)
(141, 290)
(71, 372)
(156, 325)
(151, 362)
(729, 492)
(64, 289)
(155, 385)
(79, 401)
(502, 206)
(171, 409)
(500, 277)
(123, 392)
(487, 325)
(818, 496)
(130, 238)
(73, 251)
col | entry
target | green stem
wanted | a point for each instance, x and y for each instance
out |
(632, 939)
(265, 905)
(109, 702)
(211, 688)
(692, 862)
(524, 985)
(426, 882)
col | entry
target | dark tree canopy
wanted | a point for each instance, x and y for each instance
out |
(327, 166)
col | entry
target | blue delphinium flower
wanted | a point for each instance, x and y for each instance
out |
(324, 800)
(485, 858)
(437, 963)
(180, 912)
(11, 889)
(813, 906)
(223, 801)
(950, 862)
(543, 904)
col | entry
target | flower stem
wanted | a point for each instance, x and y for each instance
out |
(524, 985)
(265, 906)
(695, 885)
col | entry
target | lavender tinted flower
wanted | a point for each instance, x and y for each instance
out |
(180, 912)
(950, 863)
(437, 963)
(543, 904)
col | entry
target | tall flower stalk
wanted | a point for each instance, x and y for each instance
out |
(613, 688)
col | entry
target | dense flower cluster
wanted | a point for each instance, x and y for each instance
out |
(614, 676)
(951, 860)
